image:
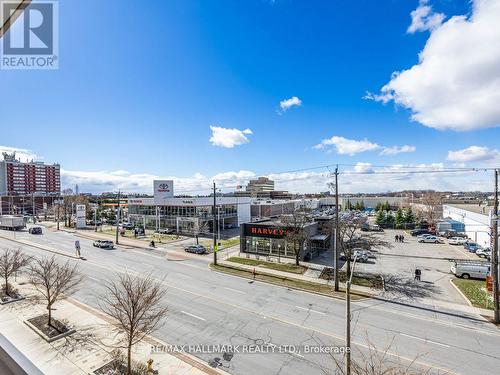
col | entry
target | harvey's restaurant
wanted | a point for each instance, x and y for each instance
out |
(268, 238)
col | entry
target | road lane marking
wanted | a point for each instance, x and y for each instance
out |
(284, 321)
(193, 316)
(364, 306)
(310, 310)
(184, 276)
(425, 340)
(235, 290)
(296, 354)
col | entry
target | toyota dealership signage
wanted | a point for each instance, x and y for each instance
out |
(81, 214)
(163, 189)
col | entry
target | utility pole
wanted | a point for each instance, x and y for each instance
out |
(213, 228)
(118, 217)
(494, 253)
(336, 232)
(348, 314)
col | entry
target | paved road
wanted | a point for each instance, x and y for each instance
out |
(208, 308)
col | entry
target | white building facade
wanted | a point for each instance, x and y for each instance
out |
(189, 215)
(477, 220)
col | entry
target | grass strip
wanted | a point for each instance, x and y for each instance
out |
(293, 283)
(284, 267)
(475, 291)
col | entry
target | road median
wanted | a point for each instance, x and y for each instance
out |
(291, 282)
(41, 247)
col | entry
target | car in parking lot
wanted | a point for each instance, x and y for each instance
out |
(457, 240)
(360, 257)
(420, 232)
(35, 230)
(483, 253)
(453, 233)
(127, 226)
(165, 231)
(430, 239)
(196, 249)
(103, 244)
(471, 247)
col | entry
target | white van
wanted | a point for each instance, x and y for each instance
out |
(467, 270)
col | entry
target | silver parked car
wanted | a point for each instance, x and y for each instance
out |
(430, 239)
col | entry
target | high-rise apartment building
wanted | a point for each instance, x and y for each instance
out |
(28, 178)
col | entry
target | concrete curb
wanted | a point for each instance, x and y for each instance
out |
(357, 293)
(41, 247)
(461, 293)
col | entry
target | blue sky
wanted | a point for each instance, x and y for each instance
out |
(139, 86)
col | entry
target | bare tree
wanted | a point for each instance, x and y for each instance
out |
(294, 226)
(432, 206)
(54, 281)
(376, 360)
(11, 261)
(351, 237)
(134, 303)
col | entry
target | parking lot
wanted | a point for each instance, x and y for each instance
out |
(401, 260)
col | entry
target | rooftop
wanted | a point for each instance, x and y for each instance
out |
(478, 209)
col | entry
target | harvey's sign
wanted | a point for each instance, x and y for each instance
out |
(264, 231)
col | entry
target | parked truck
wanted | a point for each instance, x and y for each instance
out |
(12, 222)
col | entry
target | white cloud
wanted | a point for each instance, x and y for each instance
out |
(394, 150)
(363, 177)
(346, 146)
(363, 168)
(21, 153)
(472, 154)
(423, 18)
(286, 104)
(102, 181)
(228, 138)
(456, 84)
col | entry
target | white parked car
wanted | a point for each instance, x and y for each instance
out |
(430, 239)
(457, 240)
(483, 253)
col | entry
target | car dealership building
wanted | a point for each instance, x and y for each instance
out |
(187, 215)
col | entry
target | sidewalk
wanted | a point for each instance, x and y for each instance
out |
(88, 349)
(125, 241)
(361, 289)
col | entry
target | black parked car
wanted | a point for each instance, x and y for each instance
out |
(35, 230)
(418, 232)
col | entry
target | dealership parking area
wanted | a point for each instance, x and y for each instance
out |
(398, 263)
